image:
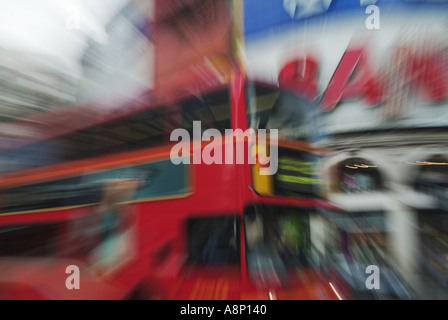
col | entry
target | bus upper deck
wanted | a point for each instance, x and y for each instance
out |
(175, 221)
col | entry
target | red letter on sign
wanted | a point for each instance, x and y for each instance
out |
(300, 76)
(347, 82)
(432, 75)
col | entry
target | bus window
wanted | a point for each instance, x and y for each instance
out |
(112, 137)
(270, 108)
(78, 144)
(433, 230)
(31, 156)
(29, 240)
(131, 132)
(213, 240)
(147, 128)
(277, 239)
(57, 193)
(213, 110)
(104, 235)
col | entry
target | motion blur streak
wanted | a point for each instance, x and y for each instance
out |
(91, 90)
(332, 287)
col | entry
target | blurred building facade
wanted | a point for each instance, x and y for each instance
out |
(382, 98)
(125, 62)
(159, 46)
(31, 84)
(389, 168)
(393, 187)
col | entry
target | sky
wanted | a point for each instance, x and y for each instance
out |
(55, 28)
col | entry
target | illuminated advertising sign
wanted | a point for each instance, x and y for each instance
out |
(362, 79)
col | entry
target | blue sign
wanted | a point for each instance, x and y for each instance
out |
(264, 15)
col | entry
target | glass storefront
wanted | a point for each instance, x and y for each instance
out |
(357, 240)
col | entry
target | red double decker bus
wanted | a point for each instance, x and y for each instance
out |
(93, 186)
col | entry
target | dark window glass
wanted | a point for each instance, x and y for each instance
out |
(77, 145)
(31, 156)
(54, 194)
(144, 129)
(173, 119)
(359, 176)
(147, 128)
(213, 241)
(29, 240)
(112, 137)
(433, 227)
(277, 238)
(156, 179)
(432, 178)
(213, 110)
(271, 108)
